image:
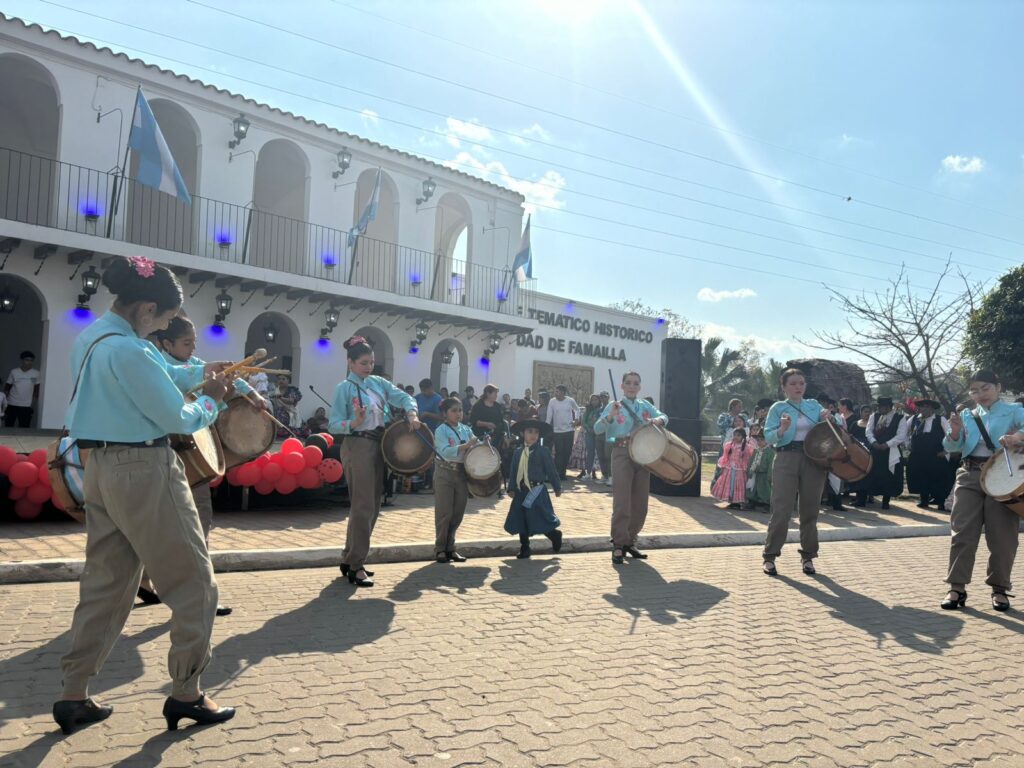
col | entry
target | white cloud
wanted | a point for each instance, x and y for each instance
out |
(471, 130)
(543, 191)
(845, 141)
(963, 164)
(535, 131)
(713, 296)
(369, 117)
(780, 349)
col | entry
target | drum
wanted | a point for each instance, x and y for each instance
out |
(202, 455)
(998, 482)
(663, 453)
(406, 452)
(244, 431)
(483, 471)
(67, 475)
(831, 447)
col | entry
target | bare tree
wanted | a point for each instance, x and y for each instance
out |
(908, 337)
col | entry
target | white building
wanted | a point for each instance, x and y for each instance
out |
(267, 228)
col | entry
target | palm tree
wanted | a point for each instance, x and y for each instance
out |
(722, 369)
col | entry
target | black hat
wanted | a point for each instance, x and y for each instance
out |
(933, 403)
(765, 402)
(884, 401)
(545, 429)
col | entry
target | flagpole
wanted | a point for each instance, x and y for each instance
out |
(115, 194)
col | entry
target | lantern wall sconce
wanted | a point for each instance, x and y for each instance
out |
(344, 161)
(240, 127)
(429, 185)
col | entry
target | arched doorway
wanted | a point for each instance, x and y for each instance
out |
(374, 259)
(449, 366)
(155, 218)
(29, 141)
(278, 334)
(453, 233)
(24, 329)
(383, 351)
(280, 202)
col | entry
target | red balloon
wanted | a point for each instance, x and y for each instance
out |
(23, 474)
(286, 484)
(217, 481)
(313, 455)
(248, 474)
(276, 458)
(263, 487)
(272, 472)
(309, 478)
(44, 475)
(38, 457)
(330, 470)
(16, 493)
(262, 460)
(27, 510)
(293, 463)
(291, 445)
(8, 458)
(232, 476)
(328, 438)
(38, 493)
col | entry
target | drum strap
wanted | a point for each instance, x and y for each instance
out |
(984, 432)
(455, 432)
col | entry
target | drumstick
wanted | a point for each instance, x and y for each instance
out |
(271, 416)
(259, 354)
(1006, 455)
(262, 365)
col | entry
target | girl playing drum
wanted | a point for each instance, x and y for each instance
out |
(451, 442)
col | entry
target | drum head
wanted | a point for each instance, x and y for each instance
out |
(244, 431)
(821, 442)
(647, 444)
(482, 462)
(997, 480)
(404, 451)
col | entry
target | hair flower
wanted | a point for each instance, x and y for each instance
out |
(143, 267)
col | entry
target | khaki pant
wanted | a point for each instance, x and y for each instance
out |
(202, 495)
(364, 471)
(974, 510)
(797, 484)
(450, 497)
(631, 489)
(139, 509)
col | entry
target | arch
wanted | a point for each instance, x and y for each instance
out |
(453, 243)
(383, 350)
(280, 205)
(376, 251)
(29, 140)
(454, 375)
(286, 346)
(25, 328)
(155, 218)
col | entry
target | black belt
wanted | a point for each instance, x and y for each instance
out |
(973, 462)
(373, 434)
(796, 445)
(159, 442)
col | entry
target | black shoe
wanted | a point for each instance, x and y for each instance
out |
(618, 559)
(808, 567)
(455, 557)
(885, 505)
(1001, 605)
(353, 577)
(769, 568)
(175, 710)
(345, 569)
(838, 508)
(860, 504)
(149, 597)
(223, 610)
(71, 714)
(958, 602)
(524, 552)
(634, 553)
(556, 541)
(442, 557)
(922, 504)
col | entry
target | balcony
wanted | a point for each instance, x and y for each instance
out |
(70, 198)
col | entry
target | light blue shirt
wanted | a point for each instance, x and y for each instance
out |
(447, 440)
(128, 393)
(624, 424)
(241, 385)
(347, 398)
(1000, 419)
(811, 409)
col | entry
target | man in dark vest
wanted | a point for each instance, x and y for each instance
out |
(929, 472)
(886, 432)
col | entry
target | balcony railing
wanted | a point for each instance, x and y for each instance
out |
(50, 193)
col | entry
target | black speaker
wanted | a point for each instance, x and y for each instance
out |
(680, 378)
(689, 430)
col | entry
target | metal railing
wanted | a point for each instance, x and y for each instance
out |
(51, 193)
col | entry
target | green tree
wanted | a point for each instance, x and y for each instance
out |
(677, 326)
(995, 330)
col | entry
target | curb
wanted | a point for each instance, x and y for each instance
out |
(227, 561)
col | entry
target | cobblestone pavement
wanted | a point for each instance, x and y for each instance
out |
(693, 658)
(584, 508)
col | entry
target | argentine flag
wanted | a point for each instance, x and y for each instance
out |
(522, 266)
(157, 168)
(368, 215)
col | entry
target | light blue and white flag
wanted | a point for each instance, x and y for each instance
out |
(157, 168)
(368, 215)
(522, 266)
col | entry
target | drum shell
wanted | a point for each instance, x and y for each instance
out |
(845, 458)
(481, 488)
(202, 455)
(678, 461)
(73, 507)
(244, 432)
(477, 459)
(1014, 500)
(405, 453)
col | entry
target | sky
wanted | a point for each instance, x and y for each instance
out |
(725, 160)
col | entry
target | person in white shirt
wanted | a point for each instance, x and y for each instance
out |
(562, 415)
(259, 382)
(22, 391)
(3, 404)
(886, 432)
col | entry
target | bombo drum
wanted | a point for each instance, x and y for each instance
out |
(202, 455)
(483, 470)
(832, 448)
(664, 454)
(66, 462)
(406, 452)
(244, 431)
(1002, 478)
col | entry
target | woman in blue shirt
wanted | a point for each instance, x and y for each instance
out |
(361, 409)
(973, 509)
(797, 482)
(139, 509)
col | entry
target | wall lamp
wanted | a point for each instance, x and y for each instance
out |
(90, 284)
(8, 301)
(223, 308)
(270, 333)
(447, 356)
(493, 342)
(429, 185)
(344, 161)
(240, 126)
(331, 318)
(422, 329)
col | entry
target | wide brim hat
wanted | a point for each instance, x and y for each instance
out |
(933, 403)
(884, 401)
(545, 429)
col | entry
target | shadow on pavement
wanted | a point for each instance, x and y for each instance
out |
(525, 577)
(437, 577)
(1012, 620)
(151, 753)
(915, 628)
(644, 592)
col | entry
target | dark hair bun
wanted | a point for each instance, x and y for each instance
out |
(137, 279)
(356, 341)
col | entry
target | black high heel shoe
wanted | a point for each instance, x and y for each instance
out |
(175, 710)
(345, 569)
(149, 597)
(617, 559)
(634, 553)
(1001, 605)
(71, 714)
(958, 602)
(455, 557)
(353, 577)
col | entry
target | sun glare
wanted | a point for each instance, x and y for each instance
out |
(572, 12)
